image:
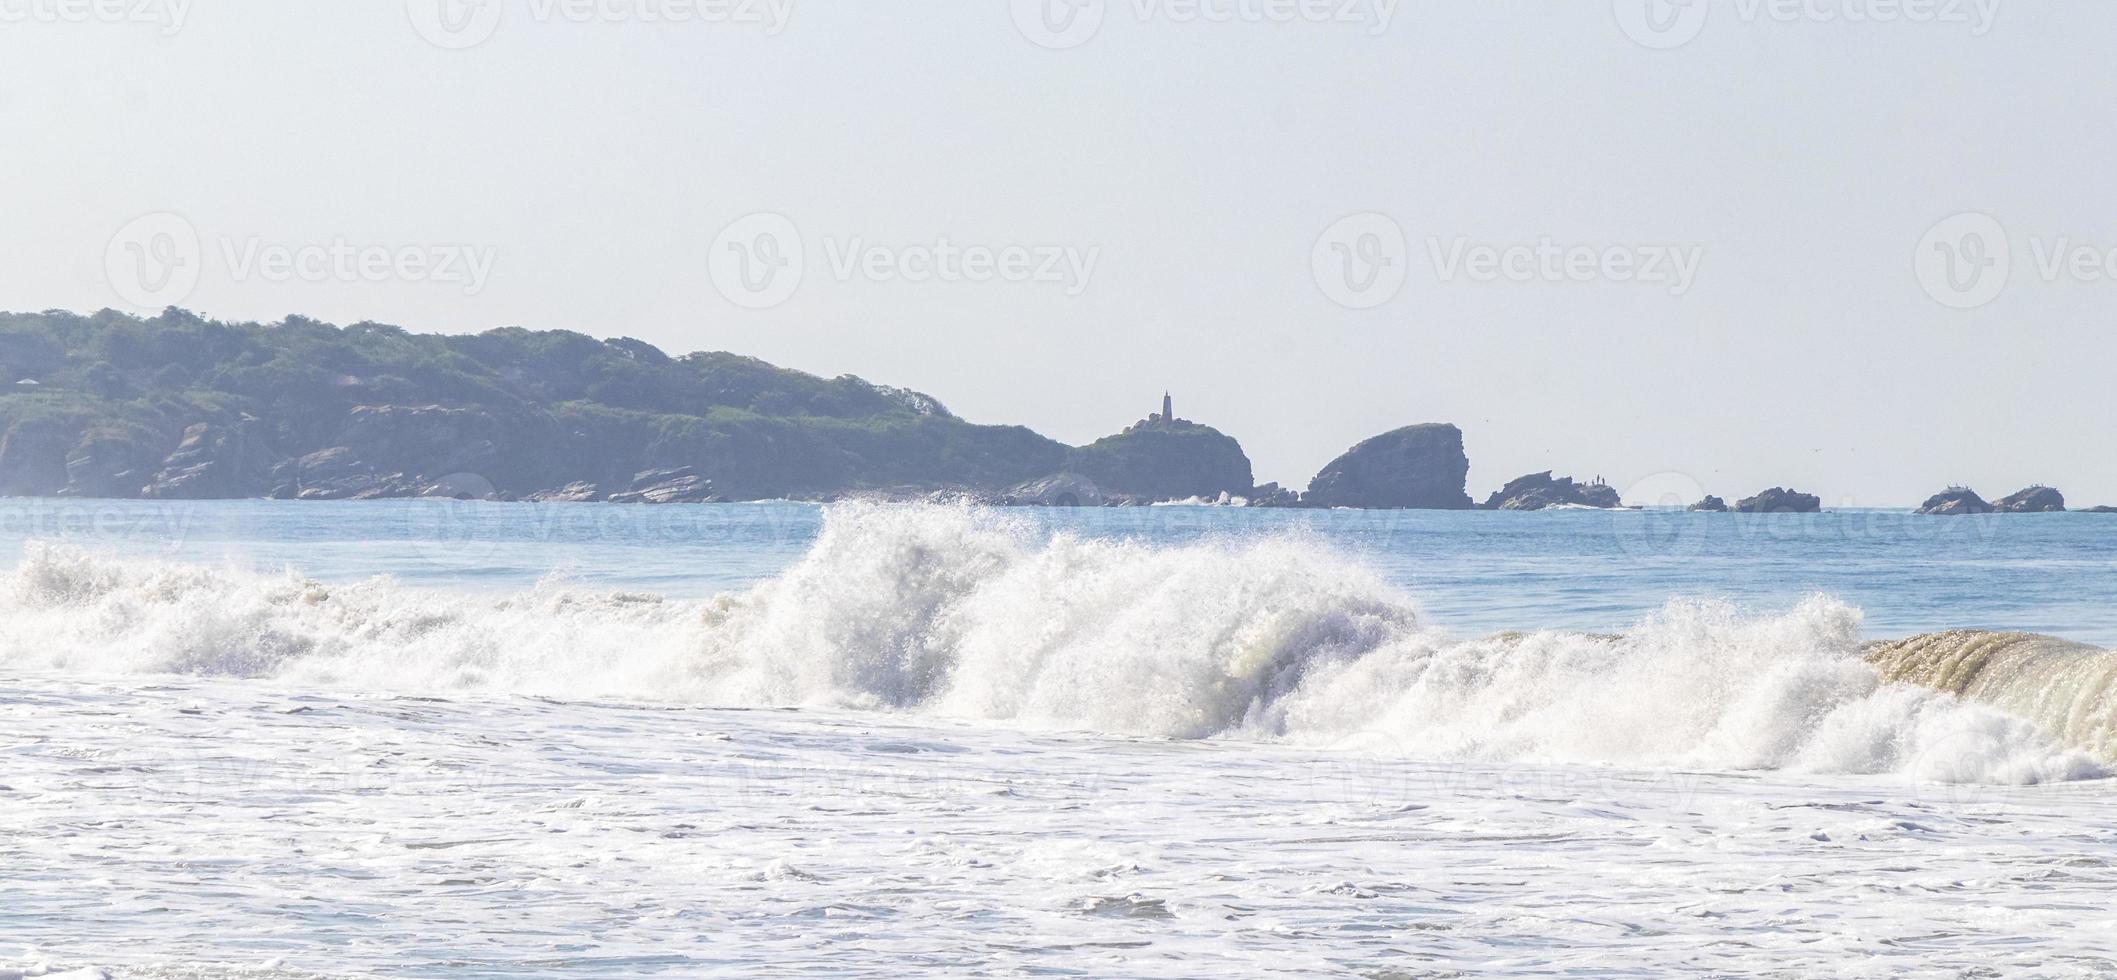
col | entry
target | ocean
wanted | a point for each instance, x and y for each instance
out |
(472, 739)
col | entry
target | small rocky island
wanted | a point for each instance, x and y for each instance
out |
(1954, 502)
(1419, 467)
(1539, 491)
(1780, 500)
(1960, 501)
(1777, 500)
(2038, 499)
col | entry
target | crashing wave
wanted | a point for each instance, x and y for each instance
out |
(2067, 689)
(969, 613)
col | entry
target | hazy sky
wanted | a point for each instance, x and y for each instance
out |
(1751, 277)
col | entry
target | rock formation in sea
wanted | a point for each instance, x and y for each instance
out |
(1273, 495)
(1538, 491)
(1954, 502)
(1165, 458)
(2038, 499)
(1420, 467)
(1780, 500)
(1710, 505)
(1056, 490)
(668, 485)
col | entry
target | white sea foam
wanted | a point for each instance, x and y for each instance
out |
(969, 613)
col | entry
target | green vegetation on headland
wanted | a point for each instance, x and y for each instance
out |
(111, 405)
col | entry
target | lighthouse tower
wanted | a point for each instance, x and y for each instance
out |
(1168, 409)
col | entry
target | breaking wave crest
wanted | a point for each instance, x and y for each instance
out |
(2067, 689)
(967, 613)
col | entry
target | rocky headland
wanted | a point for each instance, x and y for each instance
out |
(179, 407)
(1165, 459)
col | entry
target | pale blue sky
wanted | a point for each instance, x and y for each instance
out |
(1197, 163)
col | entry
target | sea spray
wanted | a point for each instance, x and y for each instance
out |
(968, 613)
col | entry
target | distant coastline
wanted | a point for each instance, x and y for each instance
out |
(177, 406)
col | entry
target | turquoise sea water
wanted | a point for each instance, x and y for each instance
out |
(1471, 571)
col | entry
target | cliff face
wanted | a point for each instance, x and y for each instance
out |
(1166, 461)
(179, 407)
(33, 456)
(1420, 466)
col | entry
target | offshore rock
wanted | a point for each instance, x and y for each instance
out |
(1538, 491)
(1056, 490)
(674, 485)
(1419, 467)
(1780, 500)
(1710, 505)
(572, 493)
(2034, 500)
(1954, 502)
(1273, 495)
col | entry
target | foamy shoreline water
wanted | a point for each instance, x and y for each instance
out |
(947, 740)
(219, 828)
